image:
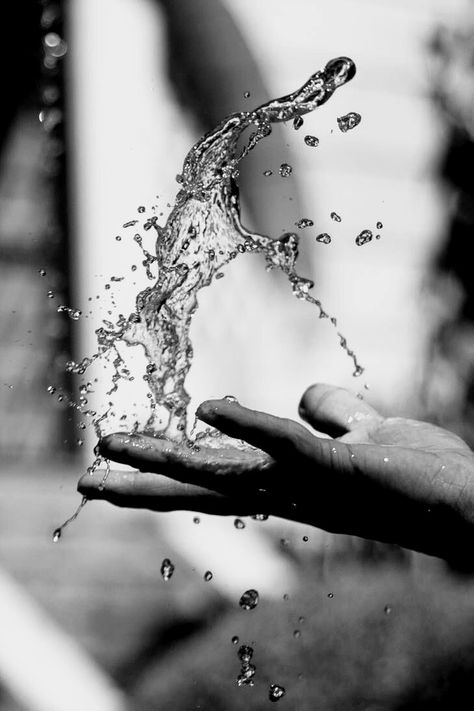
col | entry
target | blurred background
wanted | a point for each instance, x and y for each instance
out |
(101, 103)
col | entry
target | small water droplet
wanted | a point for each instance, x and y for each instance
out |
(56, 535)
(378, 236)
(286, 597)
(260, 517)
(304, 222)
(364, 237)
(358, 371)
(141, 209)
(296, 634)
(386, 459)
(330, 595)
(42, 272)
(50, 294)
(387, 609)
(247, 94)
(249, 600)
(305, 539)
(130, 223)
(235, 639)
(379, 225)
(324, 238)
(301, 619)
(238, 523)
(51, 389)
(196, 519)
(311, 141)
(118, 238)
(267, 173)
(167, 569)
(298, 121)
(208, 576)
(334, 216)
(276, 692)
(349, 121)
(285, 170)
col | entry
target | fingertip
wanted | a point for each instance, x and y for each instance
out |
(210, 410)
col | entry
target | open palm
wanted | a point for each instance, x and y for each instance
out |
(389, 479)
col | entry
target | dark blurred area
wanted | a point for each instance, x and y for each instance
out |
(366, 626)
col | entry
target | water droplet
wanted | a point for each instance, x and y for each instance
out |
(118, 238)
(311, 141)
(387, 609)
(286, 597)
(235, 639)
(141, 209)
(304, 222)
(51, 389)
(208, 576)
(56, 535)
(330, 595)
(230, 398)
(267, 173)
(386, 459)
(379, 225)
(334, 216)
(260, 517)
(296, 634)
(301, 620)
(249, 600)
(50, 294)
(358, 371)
(42, 272)
(247, 94)
(298, 121)
(377, 236)
(364, 237)
(349, 121)
(284, 542)
(79, 442)
(167, 569)
(246, 675)
(305, 539)
(238, 523)
(196, 519)
(285, 170)
(276, 692)
(324, 238)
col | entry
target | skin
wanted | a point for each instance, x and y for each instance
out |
(391, 479)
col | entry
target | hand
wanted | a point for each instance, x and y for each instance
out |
(390, 479)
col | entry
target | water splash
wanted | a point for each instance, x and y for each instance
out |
(58, 532)
(167, 569)
(311, 141)
(276, 692)
(247, 671)
(202, 234)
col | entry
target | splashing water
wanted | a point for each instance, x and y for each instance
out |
(349, 121)
(276, 692)
(167, 569)
(202, 234)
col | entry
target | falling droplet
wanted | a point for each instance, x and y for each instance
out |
(260, 517)
(167, 569)
(311, 141)
(238, 523)
(324, 238)
(387, 609)
(305, 539)
(249, 600)
(267, 173)
(285, 170)
(130, 223)
(51, 389)
(208, 576)
(304, 222)
(330, 596)
(141, 209)
(56, 535)
(379, 225)
(298, 121)
(334, 216)
(42, 272)
(118, 238)
(235, 639)
(386, 459)
(364, 237)
(301, 619)
(358, 371)
(50, 294)
(196, 519)
(296, 634)
(276, 692)
(247, 94)
(349, 121)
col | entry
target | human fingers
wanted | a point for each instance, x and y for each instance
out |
(335, 410)
(281, 438)
(145, 490)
